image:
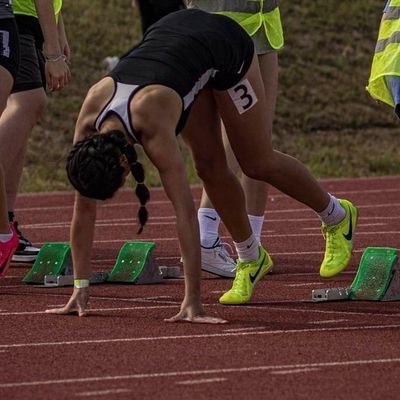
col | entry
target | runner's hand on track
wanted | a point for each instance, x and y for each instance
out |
(195, 313)
(76, 304)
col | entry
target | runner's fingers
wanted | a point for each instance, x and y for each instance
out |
(61, 311)
(208, 320)
(82, 312)
(203, 319)
(175, 318)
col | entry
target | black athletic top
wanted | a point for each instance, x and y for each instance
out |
(186, 50)
(153, 10)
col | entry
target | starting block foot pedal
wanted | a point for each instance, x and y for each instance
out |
(68, 280)
(377, 277)
(170, 272)
(136, 264)
(332, 294)
(53, 259)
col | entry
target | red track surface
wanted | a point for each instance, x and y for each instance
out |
(280, 347)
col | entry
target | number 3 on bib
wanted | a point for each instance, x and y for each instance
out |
(243, 96)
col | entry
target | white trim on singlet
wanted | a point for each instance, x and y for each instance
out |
(119, 106)
(202, 81)
(122, 96)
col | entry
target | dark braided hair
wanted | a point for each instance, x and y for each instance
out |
(94, 169)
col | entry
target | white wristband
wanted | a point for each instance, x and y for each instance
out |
(81, 283)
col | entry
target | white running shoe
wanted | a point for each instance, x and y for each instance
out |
(216, 260)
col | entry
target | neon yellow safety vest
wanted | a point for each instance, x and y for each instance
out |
(258, 14)
(27, 7)
(386, 61)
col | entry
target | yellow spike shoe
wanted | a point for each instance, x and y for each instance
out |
(248, 273)
(339, 242)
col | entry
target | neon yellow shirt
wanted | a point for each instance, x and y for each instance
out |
(27, 7)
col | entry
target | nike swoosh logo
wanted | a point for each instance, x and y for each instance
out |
(248, 246)
(349, 234)
(254, 277)
(213, 218)
(333, 208)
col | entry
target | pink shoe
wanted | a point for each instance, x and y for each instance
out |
(7, 250)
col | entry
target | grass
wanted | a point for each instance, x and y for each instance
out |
(324, 115)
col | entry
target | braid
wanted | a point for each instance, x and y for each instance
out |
(94, 169)
(142, 192)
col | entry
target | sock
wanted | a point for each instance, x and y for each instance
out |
(334, 213)
(248, 250)
(209, 222)
(5, 237)
(256, 222)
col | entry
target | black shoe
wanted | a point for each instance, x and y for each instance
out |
(25, 253)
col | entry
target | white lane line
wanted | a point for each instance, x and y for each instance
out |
(270, 237)
(155, 299)
(294, 371)
(102, 392)
(306, 310)
(159, 221)
(201, 336)
(93, 310)
(256, 328)
(151, 299)
(290, 274)
(169, 374)
(328, 321)
(201, 381)
(161, 202)
(344, 312)
(254, 305)
(304, 284)
(198, 187)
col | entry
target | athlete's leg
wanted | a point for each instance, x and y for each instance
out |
(242, 111)
(6, 82)
(250, 137)
(256, 192)
(8, 65)
(227, 196)
(20, 116)
(207, 149)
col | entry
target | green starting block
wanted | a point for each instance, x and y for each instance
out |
(135, 264)
(53, 259)
(377, 279)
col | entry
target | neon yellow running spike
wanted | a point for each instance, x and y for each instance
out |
(248, 273)
(339, 242)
